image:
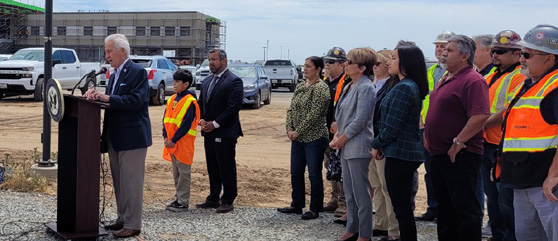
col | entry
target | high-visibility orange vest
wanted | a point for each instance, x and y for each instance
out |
(339, 89)
(526, 130)
(500, 95)
(183, 150)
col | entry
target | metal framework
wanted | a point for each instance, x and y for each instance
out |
(12, 24)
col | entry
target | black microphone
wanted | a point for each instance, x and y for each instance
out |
(91, 74)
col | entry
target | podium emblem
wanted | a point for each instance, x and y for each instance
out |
(55, 100)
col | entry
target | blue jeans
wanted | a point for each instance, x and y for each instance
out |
(308, 154)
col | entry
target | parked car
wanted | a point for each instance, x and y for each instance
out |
(192, 70)
(202, 73)
(23, 73)
(282, 72)
(159, 74)
(257, 87)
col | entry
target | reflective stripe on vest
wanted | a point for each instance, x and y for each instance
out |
(490, 72)
(178, 120)
(526, 131)
(426, 101)
(502, 95)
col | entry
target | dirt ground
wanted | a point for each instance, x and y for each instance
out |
(262, 154)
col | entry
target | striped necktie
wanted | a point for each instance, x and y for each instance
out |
(212, 85)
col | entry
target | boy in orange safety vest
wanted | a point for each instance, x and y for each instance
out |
(180, 120)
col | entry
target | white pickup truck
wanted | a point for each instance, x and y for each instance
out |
(23, 73)
(281, 72)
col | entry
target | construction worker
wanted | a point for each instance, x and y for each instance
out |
(433, 75)
(529, 162)
(502, 83)
(335, 69)
(179, 133)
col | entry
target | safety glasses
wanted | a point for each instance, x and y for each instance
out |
(528, 55)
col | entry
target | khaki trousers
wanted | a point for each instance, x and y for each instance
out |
(182, 174)
(384, 219)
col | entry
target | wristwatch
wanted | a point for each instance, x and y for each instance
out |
(455, 141)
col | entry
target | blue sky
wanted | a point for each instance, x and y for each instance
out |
(309, 27)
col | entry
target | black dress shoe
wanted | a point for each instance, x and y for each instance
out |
(426, 217)
(225, 208)
(114, 226)
(208, 204)
(379, 233)
(310, 215)
(290, 210)
(340, 221)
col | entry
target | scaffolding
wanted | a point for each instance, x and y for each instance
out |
(12, 24)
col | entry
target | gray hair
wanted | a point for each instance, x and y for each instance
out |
(222, 53)
(465, 45)
(485, 40)
(120, 42)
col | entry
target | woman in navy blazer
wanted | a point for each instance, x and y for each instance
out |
(398, 138)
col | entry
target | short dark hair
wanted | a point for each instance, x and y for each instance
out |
(222, 53)
(183, 75)
(412, 65)
(318, 63)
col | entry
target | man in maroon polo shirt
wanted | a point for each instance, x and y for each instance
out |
(459, 107)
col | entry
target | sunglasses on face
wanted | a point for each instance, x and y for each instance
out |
(330, 61)
(499, 51)
(378, 64)
(350, 62)
(528, 55)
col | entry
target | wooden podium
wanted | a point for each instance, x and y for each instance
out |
(79, 160)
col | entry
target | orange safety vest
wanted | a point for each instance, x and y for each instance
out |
(339, 89)
(526, 131)
(183, 150)
(500, 95)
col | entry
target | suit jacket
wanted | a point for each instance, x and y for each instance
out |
(126, 121)
(223, 105)
(354, 116)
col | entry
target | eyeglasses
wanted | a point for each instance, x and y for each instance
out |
(528, 55)
(378, 64)
(330, 61)
(499, 51)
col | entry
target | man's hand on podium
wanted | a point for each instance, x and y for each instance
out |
(92, 94)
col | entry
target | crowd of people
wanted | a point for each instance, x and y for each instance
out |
(483, 119)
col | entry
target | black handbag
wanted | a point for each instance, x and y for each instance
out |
(333, 170)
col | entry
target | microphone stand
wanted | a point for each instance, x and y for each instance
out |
(92, 73)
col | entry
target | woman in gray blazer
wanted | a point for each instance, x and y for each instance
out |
(354, 116)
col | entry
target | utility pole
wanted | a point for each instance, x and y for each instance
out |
(48, 75)
(264, 53)
(267, 49)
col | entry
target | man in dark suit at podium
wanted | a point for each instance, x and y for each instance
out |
(126, 133)
(220, 101)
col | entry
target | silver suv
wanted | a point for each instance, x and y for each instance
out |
(159, 74)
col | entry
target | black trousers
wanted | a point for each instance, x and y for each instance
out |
(221, 168)
(455, 185)
(399, 182)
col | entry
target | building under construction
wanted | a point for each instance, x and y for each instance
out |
(185, 35)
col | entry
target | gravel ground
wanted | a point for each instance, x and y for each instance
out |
(22, 216)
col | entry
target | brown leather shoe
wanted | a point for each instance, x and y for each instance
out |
(225, 208)
(124, 233)
(330, 207)
(114, 226)
(208, 204)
